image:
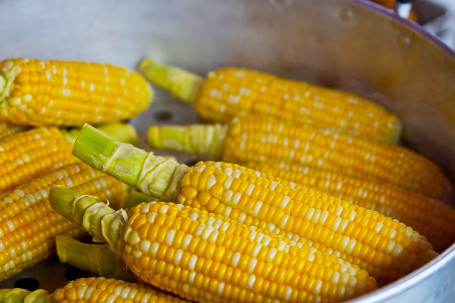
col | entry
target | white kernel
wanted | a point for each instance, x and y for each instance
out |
(252, 264)
(272, 254)
(210, 182)
(285, 201)
(235, 259)
(257, 207)
(145, 246)
(169, 239)
(133, 238)
(283, 221)
(227, 182)
(256, 250)
(199, 230)
(186, 241)
(192, 262)
(249, 189)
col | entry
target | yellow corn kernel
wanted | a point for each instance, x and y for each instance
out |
(7, 129)
(70, 93)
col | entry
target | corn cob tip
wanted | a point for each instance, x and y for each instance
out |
(181, 83)
(101, 221)
(159, 177)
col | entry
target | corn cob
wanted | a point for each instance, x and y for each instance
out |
(251, 138)
(7, 129)
(69, 93)
(431, 217)
(206, 257)
(94, 289)
(28, 225)
(385, 247)
(227, 92)
(28, 154)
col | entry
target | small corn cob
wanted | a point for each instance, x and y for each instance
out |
(28, 224)
(69, 93)
(7, 129)
(97, 258)
(94, 289)
(31, 153)
(201, 256)
(227, 92)
(385, 247)
(251, 138)
(431, 217)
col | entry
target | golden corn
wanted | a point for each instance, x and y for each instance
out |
(227, 92)
(93, 289)
(206, 257)
(7, 129)
(40, 150)
(385, 247)
(52, 92)
(264, 139)
(431, 217)
(26, 155)
(28, 224)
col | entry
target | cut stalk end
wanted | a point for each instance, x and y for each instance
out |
(181, 83)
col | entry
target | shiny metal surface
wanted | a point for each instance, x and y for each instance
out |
(347, 44)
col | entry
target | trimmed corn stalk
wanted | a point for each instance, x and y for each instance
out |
(431, 217)
(385, 247)
(28, 154)
(69, 93)
(250, 138)
(203, 256)
(97, 258)
(28, 224)
(94, 289)
(227, 92)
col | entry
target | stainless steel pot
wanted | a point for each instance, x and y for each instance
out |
(351, 45)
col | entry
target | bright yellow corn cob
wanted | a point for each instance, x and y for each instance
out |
(385, 247)
(94, 289)
(229, 91)
(206, 257)
(412, 208)
(70, 93)
(251, 138)
(28, 224)
(7, 129)
(28, 154)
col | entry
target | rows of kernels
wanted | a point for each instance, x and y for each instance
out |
(265, 139)
(228, 92)
(375, 242)
(200, 255)
(100, 289)
(431, 217)
(71, 93)
(28, 154)
(29, 225)
(14, 201)
(7, 129)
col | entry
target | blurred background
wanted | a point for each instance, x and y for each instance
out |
(436, 16)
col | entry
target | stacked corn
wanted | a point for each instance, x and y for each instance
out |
(91, 290)
(227, 92)
(201, 256)
(46, 94)
(28, 224)
(386, 248)
(377, 176)
(252, 138)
